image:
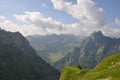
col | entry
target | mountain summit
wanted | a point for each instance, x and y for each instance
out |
(97, 35)
(91, 51)
(19, 61)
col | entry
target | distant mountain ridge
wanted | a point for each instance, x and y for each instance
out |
(90, 52)
(53, 47)
(19, 61)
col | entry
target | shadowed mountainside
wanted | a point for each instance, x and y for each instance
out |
(19, 61)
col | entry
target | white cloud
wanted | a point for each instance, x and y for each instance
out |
(60, 4)
(44, 5)
(84, 10)
(2, 18)
(89, 16)
(50, 26)
(38, 19)
(117, 21)
(34, 23)
(28, 29)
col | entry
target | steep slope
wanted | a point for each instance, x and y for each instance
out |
(108, 69)
(19, 61)
(91, 51)
(72, 73)
(53, 47)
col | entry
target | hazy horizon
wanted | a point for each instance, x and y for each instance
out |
(44, 17)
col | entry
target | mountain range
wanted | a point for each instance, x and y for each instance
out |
(90, 52)
(53, 47)
(19, 61)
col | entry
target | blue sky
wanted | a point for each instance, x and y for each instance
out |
(9, 8)
(111, 8)
(63, 14)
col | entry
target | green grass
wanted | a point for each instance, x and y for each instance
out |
(72, 73)
(108, 69)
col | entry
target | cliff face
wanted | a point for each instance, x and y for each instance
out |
(90, 52)
(19, 61)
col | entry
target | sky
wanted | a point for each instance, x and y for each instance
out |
(44, 17)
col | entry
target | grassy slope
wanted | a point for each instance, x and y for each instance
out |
(72, 73)
(108, 69)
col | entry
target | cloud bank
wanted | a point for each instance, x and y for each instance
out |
(84, 10)
(90, 18)
(34, 23)
(117, 21)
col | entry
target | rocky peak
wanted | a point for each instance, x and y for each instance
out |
(97, 35)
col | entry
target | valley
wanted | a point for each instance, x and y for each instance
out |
(59, 40)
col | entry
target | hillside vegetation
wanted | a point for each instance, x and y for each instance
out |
(108, 69)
